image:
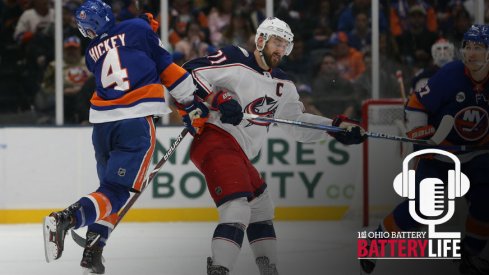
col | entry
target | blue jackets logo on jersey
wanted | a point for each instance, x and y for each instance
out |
(472, 123)
(265, 106)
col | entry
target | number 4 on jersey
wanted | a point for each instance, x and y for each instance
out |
(112, 74)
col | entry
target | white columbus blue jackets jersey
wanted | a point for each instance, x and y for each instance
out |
(265, 93)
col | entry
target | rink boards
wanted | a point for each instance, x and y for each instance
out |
(42, 169)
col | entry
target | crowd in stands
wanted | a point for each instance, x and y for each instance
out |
(330, 62)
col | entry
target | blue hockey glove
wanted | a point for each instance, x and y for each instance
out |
(194, 116)
(354, 134)
(231, 110)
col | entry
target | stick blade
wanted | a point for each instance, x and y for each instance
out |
(446, 125)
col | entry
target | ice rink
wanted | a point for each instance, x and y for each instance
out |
(181, 249)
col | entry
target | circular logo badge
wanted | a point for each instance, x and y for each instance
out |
(460, 97)
(472, 123)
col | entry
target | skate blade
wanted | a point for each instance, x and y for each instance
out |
(50, 248)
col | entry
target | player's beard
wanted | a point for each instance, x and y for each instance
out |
(273, 60)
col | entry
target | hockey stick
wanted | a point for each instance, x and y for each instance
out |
(81, 241)
(443, 130)
(400, 80)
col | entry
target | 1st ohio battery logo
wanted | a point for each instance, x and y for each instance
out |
(431, 202)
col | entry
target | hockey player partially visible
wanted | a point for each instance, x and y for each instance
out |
(129, 65)
(234, 80)
(459, 89)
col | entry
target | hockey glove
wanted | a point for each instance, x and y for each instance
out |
(354, 134)
(231, 111)
(148, 17)
(194, 116)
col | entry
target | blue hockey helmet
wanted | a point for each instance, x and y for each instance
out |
(94, 17)
(477, 33)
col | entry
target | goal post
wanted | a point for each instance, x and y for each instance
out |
(381, 159)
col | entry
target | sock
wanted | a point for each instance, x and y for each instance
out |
(226, 244)
(263, 240)
(94, 206)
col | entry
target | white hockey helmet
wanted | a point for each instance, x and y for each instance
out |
(274, 26)
(442, 52)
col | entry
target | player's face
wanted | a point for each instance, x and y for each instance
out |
(274, 51)
(474, 55)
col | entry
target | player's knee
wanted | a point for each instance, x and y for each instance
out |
(235, 211)
(262, 208)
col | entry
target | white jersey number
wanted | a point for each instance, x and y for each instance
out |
(112, 73)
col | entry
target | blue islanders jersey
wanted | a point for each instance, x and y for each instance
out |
(452, 91)
(130, 64)
(265, 93)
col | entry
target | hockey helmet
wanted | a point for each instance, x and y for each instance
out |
(442, 52)
(477, 33)
(273, 26)
(94, 17)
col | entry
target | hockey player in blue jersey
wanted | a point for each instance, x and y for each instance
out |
(129, 64)
(459, 89)
(234, 80)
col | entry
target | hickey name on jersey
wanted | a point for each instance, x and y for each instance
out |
(101, 48)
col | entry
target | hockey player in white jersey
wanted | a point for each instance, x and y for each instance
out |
(233, 81)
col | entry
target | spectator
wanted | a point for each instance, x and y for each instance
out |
(181, 14)
(239, 31)
(82, 101)
(388, 84)
(75, 74)
(193, 45)
(33, 20)
(257, 13)
(319, 39)
(219, 19)
(332, 94)
(349, 61)
(400, 20)
(347, 17)
(415, 42)
(461, 23)
(360, 36)
(35, 33)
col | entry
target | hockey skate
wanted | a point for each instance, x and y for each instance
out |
(368, 265)
(92, 260)
(215, 269)
(54, 228)
(265, 267)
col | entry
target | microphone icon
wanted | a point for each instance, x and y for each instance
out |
(436, 202)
